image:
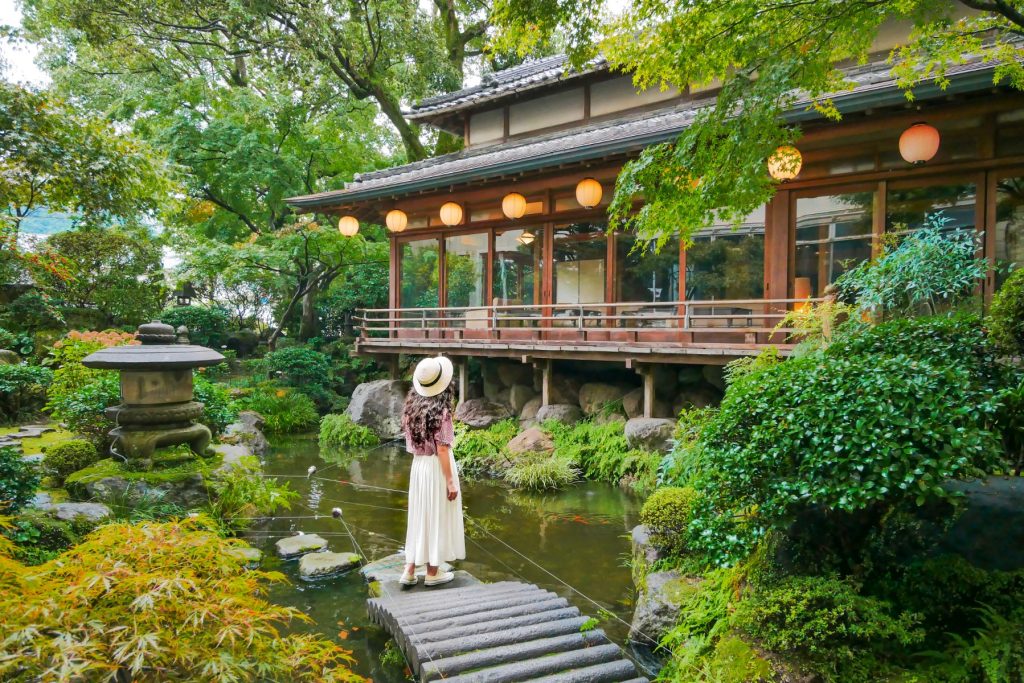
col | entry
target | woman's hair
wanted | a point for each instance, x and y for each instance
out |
(422, 415)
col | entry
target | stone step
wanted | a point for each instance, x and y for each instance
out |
(428, 634)
(502, 613)
(410, 600)
(451, 666)
(484, 605)
(607, 672)
(540, 666)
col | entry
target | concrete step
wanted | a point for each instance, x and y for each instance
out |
(539, 666)
(450, 666)
(428, 634)
(441, 624)
(416, 603)
(491, 603)
(607, 672)
(420, 594)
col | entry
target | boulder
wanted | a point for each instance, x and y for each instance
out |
(530, 408)
(68, 512)
(480, 413)
(492, 388)
(633, 404)
(8, 357)
(659, 604)
(247, 430)
(563, 412)
(650, 433)
(191, 491)
(594, 396)
(519, 395)
(696, 396)
(249, 557)
(665, 379)
(378, 405)
(503, 396)
(715, 376)
(533, 440)
(609, 418)
(323, 565)
(243, 342)
(564, 389)
(297, 546)
(690, 374)
(511, 374)
(232, 456)
(643, 550)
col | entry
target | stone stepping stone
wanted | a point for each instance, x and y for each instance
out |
(325, 565)
(68, 512)
(392, 567)
(251, 557)
(297, 546)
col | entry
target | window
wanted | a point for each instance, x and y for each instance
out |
(833, 234)
(908, 206)
(1009, 227)
(579, 263)
(644, 273)
(727, 263)
(465, 260)
(419, 274)
(517, 267)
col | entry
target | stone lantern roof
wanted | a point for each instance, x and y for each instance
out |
(159, 351)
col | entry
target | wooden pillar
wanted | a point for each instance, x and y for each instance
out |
(648, 375)
(393, 367)
(463, 381)
(545, 382)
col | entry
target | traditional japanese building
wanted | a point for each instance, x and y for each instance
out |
(501, 250)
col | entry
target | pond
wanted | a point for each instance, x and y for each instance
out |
(580, 536)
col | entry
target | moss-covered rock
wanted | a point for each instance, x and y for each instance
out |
(38, 536)
(658, 604)
(734, 660)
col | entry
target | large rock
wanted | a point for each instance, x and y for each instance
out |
(297, 546)
(8, 357)
(533, 440)
(68, 512)
(564, 389)
(233, 456)
(248, 556)
(480, 413)
(594, 396)
(650, 433)
(633, 404)
(609, 418)
(519, 395)
(658, 605)
(715, 376)
(323, 565)
(511, 374)
(696, 396)
(563, 412)
(644, 551)
(504, 396)
(191, 491)
(530, 408)
(247, 430)
(378, 406)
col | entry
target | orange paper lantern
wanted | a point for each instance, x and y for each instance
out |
(785, 163)
(919, 143)
(589, 193)
(396, 220)
(451, 213)
(348, 226)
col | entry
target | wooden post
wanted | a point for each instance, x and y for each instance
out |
(463, 381)
(647, 373)
(545, 383)
(393, 366)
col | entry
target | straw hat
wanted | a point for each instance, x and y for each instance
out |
(432, 375)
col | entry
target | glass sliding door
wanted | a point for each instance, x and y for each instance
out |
(834, 233)
(465, 265)
(579, 263)
(1008, 237)
(418, 279)
(517, 267)
(644, 273)
(727, 263)
(912, 206)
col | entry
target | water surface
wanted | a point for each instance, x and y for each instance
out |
(579, 535)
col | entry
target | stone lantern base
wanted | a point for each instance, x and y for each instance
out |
(137, 443)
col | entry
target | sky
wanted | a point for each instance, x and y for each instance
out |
(20, 67)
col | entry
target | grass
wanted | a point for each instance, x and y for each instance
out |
(39, 444)
(111, 467)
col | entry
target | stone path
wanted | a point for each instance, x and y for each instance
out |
(500, 632)
(24, 432)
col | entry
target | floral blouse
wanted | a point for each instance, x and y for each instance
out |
(445, 435)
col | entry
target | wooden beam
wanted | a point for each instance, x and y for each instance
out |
(464, 381)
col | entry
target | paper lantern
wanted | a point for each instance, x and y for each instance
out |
(802, 290)
(451, 213)
(348, 226)
(513, 205)
(785, 163)
(396, 220)
(919, 143)
(527, 237)
(588, 193)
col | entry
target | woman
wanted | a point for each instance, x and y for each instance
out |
(434, 533)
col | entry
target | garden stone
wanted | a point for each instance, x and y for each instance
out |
(698, 396)
(321, 565)
(659, 604)
(247, 430)
(189, 492)
(492, 388)
(250, 557)
(715, 376)
(691, 374)
(233, 457)
(511, 374)
(594, 396)
(504, 396)
(519, 395)
(643, 549)
(530, 408)
(67, 512)
(562, 412)
(8, 357)
(609, 418)
(564, 389)
(243, 342)
(297, 546)
(650, 433)
(378, 406)
(633, 404)
(480, 413)
(533, 440)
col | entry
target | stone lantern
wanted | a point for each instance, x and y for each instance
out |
(157, 407)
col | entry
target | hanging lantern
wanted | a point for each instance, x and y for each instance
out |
(588, 193)
(785, 163)
(451, 213)
(396, 220)
(513, 205)
(348, 226)
(919, 143)
(526, 238)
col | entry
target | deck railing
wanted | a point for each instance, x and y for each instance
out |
(668, 321)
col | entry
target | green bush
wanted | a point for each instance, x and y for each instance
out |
(339, 431)
(482, 451)
(30, 313)
(65, 458)
(243, 493)
(830, 628)
(1006, 315)
(22, 391)
(218, 409)
(542, 474)
(38, 537)
(602, 453)
(81, 408)
(667, 514)
(18, 480)
(304, 368)
(207, 325)
(8, 340)
(285, 411)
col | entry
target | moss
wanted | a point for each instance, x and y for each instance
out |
(736, 661)
(681, 590)
(40, 444)
(39, 537)
(667, 514)
(110, 467)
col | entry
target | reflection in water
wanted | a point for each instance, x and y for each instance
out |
(579, 535)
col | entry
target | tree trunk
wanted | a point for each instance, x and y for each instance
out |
(414, 150)
(309, 326)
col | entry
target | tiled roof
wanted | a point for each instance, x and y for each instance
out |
(874, 86)
(533, 74)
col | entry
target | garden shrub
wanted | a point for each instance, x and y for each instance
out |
(667, 514)
(18, 480)
(81, 409)
(543, 473)
(601, 453)
(303, 368)
(68, 457)
(8, 340)
(207, 325)
(38, 537)
(243, 493)
(218, 409)
(22, 391)
(284, 410)
(156, 601)
(828, 626)
(339, 431)
(30, 313)
(482, 451)
(1006, 315)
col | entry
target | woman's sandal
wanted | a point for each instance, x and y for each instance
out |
(438, 579)
(408, 579)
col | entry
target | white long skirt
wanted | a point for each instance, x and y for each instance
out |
(434, 533)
